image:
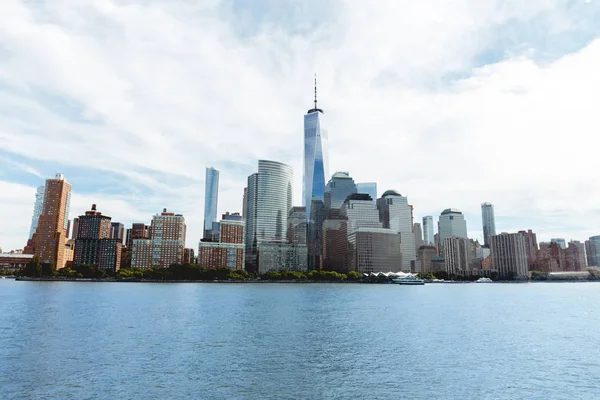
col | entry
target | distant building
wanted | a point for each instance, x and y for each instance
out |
(560, 241)
(165, 244)
(339, 187)
(278, 255)
(488, 221)
(297, 226)
(418, 235)
(456, 255)
(425, 256)
(14, 261)
(117, 231)
(451, 223)
(188, 256)
(75, 228)
(38, 209)
(375, 249)
(369, 188)
(49, 241)
(592, 249)
(428, 231)
(93, 245)
(211, 198)
(551, 257)
(509, 256)
(395, 213)
(531, 247)
(228, 251)
(575, 257)
(137, 231)
(269, 201)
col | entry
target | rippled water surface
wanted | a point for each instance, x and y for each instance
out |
(308, 341)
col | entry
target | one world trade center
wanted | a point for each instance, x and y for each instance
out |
(313, 181)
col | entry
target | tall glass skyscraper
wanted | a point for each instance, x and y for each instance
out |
(38, 209)
(428, 230)
(313, 181)
(211, 198)
(489, 223)
(339, 187)
(268, 204)
(451, 223)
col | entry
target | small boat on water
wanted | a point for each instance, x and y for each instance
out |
(484, 280)
(408, 280)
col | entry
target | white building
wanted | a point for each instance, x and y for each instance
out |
(395, 213)
(452, 223)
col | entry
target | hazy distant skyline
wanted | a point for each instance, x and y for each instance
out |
(450, 103)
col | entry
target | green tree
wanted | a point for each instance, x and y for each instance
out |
(33, 269)
(48, 269)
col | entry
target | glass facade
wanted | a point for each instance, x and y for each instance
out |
(268, 203)
(489, 223)
(38, 209)
(452, 223)
(369, 188)
(339, 187)
(428, 230)
(315, 159)
(211, 197)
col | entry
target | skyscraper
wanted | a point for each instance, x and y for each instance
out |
(592, 249)
(38, 208)
(418, 235)
(489, 222)
(50, 238)
(428, 230)
(339, 187)
(117, 231)
(269, 201)
(452, 223)
(211, 198)
(313, 181)
(395, 213)
(559, 241)
(369, 188)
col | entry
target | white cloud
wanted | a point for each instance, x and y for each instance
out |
(155, 91)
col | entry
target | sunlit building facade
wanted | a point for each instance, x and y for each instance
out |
(395, 213)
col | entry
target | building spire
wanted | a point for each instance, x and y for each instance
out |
(315, 91)
(315, 109)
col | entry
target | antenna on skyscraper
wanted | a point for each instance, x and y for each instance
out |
(315, 91)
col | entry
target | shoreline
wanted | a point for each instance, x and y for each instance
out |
(168, 281)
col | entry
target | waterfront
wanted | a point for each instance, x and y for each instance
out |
(154, 341)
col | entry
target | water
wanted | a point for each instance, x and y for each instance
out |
(295, 341)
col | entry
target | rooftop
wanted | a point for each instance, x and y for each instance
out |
(451, 211)
(391, 193)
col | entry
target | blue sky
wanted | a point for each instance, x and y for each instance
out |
(451, 103)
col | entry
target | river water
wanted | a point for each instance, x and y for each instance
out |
(85, 340)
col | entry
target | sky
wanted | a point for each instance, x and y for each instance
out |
(452, 103)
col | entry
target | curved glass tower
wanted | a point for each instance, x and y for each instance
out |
(313, 181)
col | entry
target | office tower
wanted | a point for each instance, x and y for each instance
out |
(296, 231)
(428, 231)
(375, 250)
(228, 251)
(551, 258)
(211, 198)
(456, 255)
(50, 238)
(560, 241)
(269, 201)
(117, 231)
(244, 201)
(395, 213)
(531, 247)
(339, 187)
(592, 249)
(509, 256)
(75, 228)
(313, 181)
(489, 222)
(165, 243)
(418, 235)
(38, 208)
(575, 256)
(369, 188)
(94, 245)
(451, 223)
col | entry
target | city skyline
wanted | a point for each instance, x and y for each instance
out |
(380, 109)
